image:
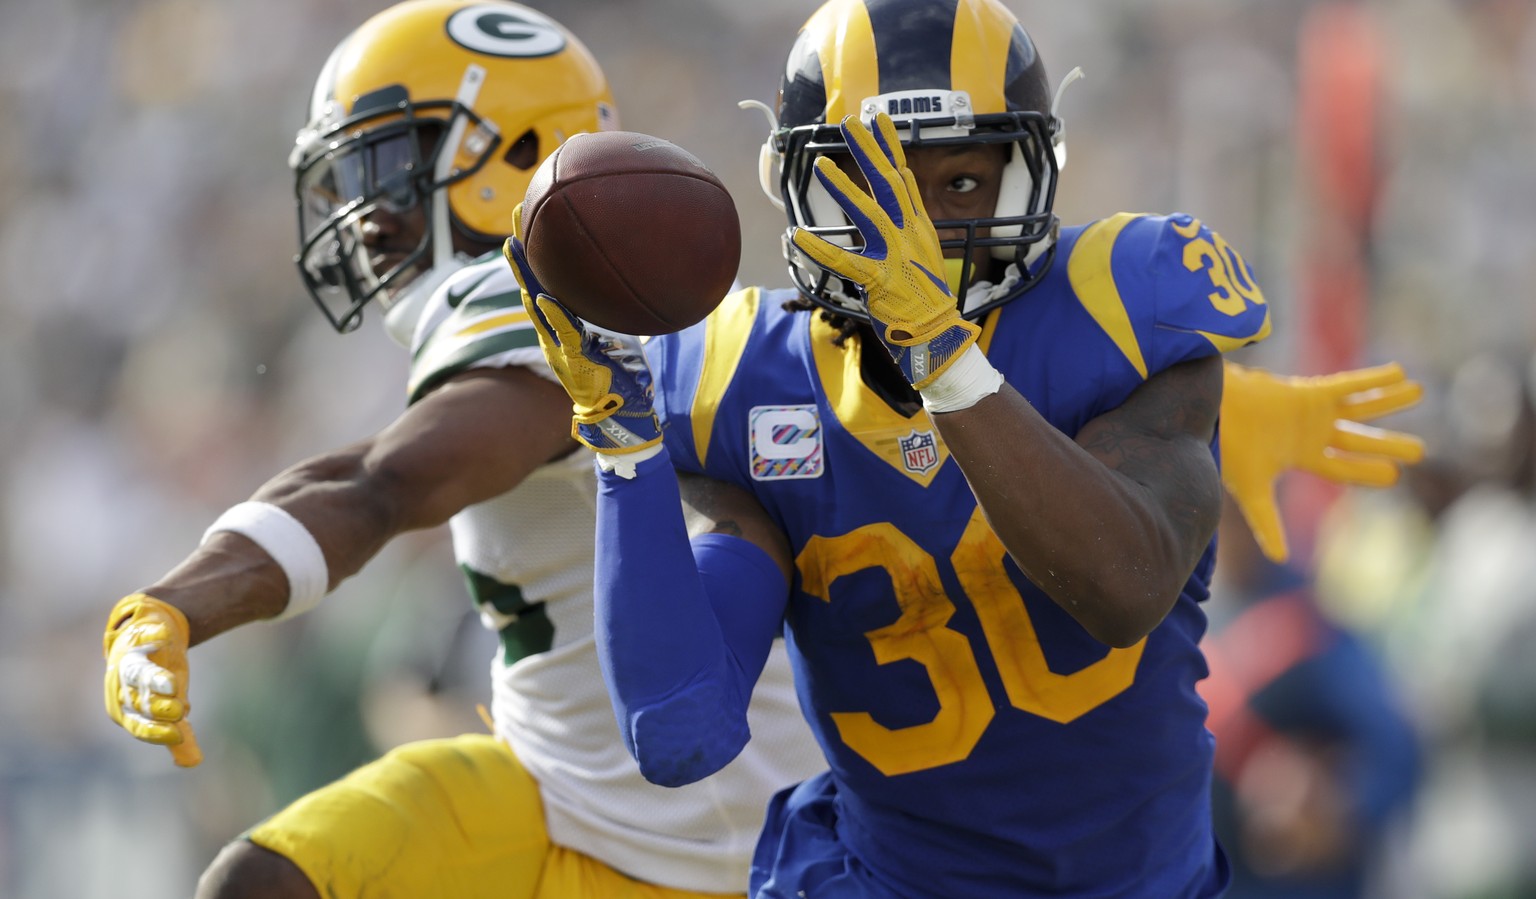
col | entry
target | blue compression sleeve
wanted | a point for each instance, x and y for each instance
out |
(683, 629)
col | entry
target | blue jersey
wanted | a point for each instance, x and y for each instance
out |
(981, 743)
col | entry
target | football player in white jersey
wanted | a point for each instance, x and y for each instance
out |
(426, 125)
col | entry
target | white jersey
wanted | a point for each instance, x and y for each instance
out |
(528, 555)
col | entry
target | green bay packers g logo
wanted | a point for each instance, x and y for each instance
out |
(498, 31)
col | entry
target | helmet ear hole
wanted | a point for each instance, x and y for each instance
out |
(524, 152)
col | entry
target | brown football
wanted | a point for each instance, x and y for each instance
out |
(631, 232)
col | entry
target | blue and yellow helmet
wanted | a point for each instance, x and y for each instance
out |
(948, 72)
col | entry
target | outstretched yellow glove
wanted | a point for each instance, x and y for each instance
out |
(146, 688)
(1271, 423)
(605, 375)
(901, 266)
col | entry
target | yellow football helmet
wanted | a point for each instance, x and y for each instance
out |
(947, 72)
(436, 112)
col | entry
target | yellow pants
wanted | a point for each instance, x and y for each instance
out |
(440, 819)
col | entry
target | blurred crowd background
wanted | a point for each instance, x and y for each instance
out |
(159, 359)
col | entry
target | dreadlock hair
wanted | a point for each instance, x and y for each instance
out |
(878, 371)
(845, 326)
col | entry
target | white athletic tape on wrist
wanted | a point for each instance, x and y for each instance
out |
(289, 543)
(969, 380)
(624, 465)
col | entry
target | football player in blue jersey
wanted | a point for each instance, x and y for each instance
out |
(425, 127)
(968, 467)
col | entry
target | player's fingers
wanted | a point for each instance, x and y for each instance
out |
(514, 252)
(888, 183)
(562, 324)
(862, 211)
(835, 259)
(517, 257)
(153, 706)
(112, 693)
(1257, 504)
(517, 222)
(913, 205)
(916, 213)
(542, 329)
(509, 252)
(890, 141)
(186, 754)
(146, 689)
(874, 159)
(138, 673)
(1365, 440)
(1375, 403)
(1363, 471)
(161, 733)
(1346, 382)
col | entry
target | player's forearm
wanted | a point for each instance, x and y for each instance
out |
(348, 506)
(1095, 541)
(231, 580)
(227, 582)
(679, 677)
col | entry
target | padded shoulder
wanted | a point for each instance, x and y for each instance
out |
(474, 319)
(696, 366)
(1166, 289)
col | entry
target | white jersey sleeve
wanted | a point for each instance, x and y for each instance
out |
(474, 320)
(527, 557)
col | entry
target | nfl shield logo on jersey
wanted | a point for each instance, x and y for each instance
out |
(785, 442)
(919, 453)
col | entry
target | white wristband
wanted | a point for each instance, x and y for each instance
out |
(968, 380)
(625, 465)
(289, 543)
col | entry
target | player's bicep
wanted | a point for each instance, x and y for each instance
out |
(474, 437)
(711, 506)
(1160, 438)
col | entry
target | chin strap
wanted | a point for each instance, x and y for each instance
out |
(442, 238)
(403, 313)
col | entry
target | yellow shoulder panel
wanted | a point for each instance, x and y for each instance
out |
(725, 338)
(1225, 344)
(1093, 280)
(863, 414)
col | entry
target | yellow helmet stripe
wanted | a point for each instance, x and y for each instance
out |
(979, 53)
(845, 44)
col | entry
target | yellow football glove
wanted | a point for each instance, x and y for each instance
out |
(146, 689)
(1271, 423)
(901, 267)
(606, 377)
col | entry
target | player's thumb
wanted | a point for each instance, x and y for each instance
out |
(512, 252)
(833, 258)
(186, 754)
(1262, 514)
